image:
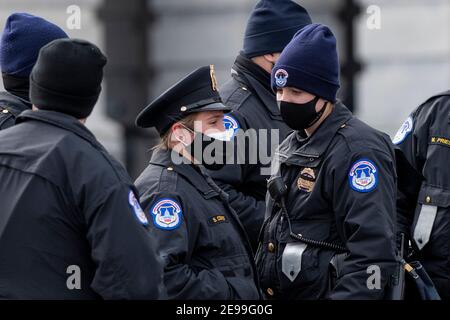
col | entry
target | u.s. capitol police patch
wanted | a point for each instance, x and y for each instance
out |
(281, 77)
(134, 203)
(167, 214)
(231, 126)
(363, 176)
(404, 131)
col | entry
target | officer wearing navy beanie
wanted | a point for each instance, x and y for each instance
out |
(22, 38)
(332, 189)
(270, 27)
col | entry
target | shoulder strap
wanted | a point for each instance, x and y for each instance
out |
(168, 179)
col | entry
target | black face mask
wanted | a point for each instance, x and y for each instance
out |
(299, 116)
(215, 156)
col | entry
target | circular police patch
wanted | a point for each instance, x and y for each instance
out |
(403, 132)
(231, 126)
(281, 78)
(134, 203)
(166, 214)
(363, 176)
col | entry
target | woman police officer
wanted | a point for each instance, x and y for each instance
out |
(204, 246)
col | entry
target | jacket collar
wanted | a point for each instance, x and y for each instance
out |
(256, 83)
(15, 102)
(162, 157)
(62, 121)
(313, 147)
(71, 124)
(247, 66)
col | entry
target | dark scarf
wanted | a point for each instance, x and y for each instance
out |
(17, 86)
(248, 68)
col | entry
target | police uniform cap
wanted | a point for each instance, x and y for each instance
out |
(196, 92)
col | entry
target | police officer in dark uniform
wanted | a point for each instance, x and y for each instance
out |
(329, 228)
(205, 248)
(71, 226)
(270, 27)
(22, 38)
(424, 207)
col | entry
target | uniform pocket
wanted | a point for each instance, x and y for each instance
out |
(313, 229)
(233, 265)
(238, 273)
(243, 289)
(433, 195)
(314, 265)
(431, 228)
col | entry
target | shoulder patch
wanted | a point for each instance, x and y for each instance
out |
(134, 203)
(167, 214)
(363, 176)
(404, 130)
(231, 125)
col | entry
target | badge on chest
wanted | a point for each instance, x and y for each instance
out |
(307, 180)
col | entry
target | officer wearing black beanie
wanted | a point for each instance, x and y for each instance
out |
(270, 27)
(67, 77)
(72, 225)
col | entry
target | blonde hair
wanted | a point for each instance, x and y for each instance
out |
(166, 138)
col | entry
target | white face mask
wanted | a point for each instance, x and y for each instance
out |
(213, 137)
(219, 135)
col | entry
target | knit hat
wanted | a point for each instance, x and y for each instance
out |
(271, 26)
(310, 63)
(67, 77)
(24, 35)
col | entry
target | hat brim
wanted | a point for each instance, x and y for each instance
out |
(144, 121)
(217, 106)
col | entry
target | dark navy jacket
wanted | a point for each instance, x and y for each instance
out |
(424, 139)
(10, 108)
(67, 204)
(341, 189)
(254, 107)
(205, 248)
